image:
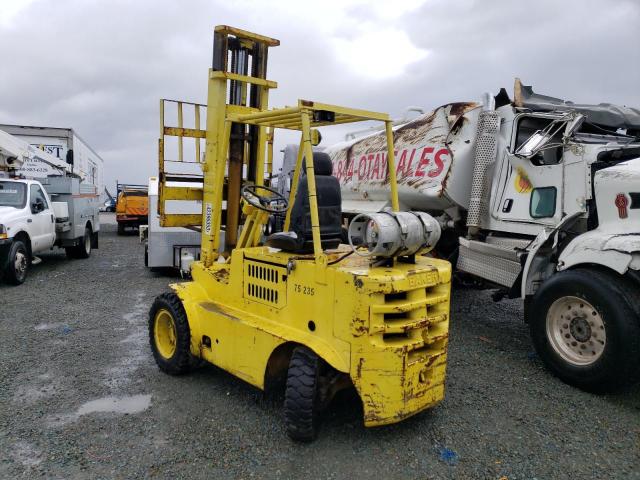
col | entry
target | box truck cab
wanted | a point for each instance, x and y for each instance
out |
(31, 223)
(27, 222)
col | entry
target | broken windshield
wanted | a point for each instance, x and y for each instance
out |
(13, 194)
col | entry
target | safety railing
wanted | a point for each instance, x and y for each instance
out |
(180, 157)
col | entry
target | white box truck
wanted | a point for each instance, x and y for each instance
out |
(46, 209)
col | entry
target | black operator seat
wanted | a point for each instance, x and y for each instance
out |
(299, 238)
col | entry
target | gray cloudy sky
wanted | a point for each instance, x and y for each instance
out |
(101, 66)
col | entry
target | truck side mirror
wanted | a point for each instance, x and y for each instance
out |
(542, 139)
(573, 125)
(534, 144)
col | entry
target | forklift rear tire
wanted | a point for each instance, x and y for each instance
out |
(18, 264)
(169, 335)
(302, 399)
(585, 326)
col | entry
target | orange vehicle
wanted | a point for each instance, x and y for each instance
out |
(132, 207)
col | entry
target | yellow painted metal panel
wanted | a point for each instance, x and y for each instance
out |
(182, 193)
(293, 191)
(185, 132)
(391, 167)
(180, 220)
(215, 74)
(244, 34)
(213, 168)
(353, 112)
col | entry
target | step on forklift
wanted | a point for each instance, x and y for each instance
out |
(297, 311)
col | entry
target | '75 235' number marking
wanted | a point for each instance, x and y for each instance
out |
(303, 289)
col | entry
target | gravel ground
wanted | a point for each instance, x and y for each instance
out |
(80, 397)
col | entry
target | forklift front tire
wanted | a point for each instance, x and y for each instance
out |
(302, 399)
(169, 335)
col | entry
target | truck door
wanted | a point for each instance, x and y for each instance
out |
(42, 219)
(530, 177)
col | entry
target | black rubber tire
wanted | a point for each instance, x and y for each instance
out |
(301, 398)
(120, 229)
(11, 275)
(182, 360)
(617, 301)
(146, 255)
(83, 249)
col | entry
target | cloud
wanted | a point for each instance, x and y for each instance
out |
(101, 67)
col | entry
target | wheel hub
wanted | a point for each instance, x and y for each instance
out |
(580, 329)
(164, 333)
(576, 331)
(20, 262)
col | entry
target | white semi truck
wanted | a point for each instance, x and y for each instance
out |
(538, 198)
(52, 208)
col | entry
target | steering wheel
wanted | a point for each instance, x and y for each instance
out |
(274, 203)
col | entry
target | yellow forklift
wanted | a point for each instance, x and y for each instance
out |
(298, 310)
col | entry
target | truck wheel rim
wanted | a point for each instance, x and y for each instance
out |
(164, 332)
(87, 244)
(20, 263)
(576, 331)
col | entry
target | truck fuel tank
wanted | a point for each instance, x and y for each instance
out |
(434, 162)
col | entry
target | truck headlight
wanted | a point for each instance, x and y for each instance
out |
(3, 232)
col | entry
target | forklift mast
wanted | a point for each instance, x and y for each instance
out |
(238, 144)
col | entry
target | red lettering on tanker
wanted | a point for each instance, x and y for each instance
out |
(410, 163)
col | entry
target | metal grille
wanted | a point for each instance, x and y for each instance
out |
(484, 155)
(265, 283)
(415, 321)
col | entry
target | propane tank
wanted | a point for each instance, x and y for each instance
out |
(186, 259)
(393, 234)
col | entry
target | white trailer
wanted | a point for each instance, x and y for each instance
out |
(169, 247)
(65, 145)
(536, 197)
